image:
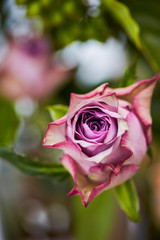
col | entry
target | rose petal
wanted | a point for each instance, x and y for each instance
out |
(139, 95)
(74, 152)
(124, 108)
(128, 93)
(142, 106)
(122, 127)
(100, 173)
(86, 189)
(55, 132)
(79, 101)
(126, 172)
(78, 98)
(82, 186)
(118, 155)
(134, 139)
(96, 149)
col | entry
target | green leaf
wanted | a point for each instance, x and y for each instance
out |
(127, 197)
(129, 76)
(146, 14)
(121, 13)
(8, 122)
(57, 111)
(33, 168)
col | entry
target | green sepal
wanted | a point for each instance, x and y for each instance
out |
(57, 111)
(150, 152)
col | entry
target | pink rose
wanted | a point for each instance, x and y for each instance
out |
(104, 136)
(28, 70)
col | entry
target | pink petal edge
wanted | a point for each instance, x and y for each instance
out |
(77, 98)
(55, 132)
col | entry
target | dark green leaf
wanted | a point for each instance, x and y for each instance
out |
(121, 13)
(127, 197)
(57, 111)
(34, 168)
(146, 13)
(129, 76)
(8, 122)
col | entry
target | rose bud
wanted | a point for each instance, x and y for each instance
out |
(104, 136)
(28, 70)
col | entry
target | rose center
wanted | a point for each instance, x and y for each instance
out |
(95, 121)
(97, 124)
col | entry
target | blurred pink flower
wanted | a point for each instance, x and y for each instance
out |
(104, 136)
(28, 70)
